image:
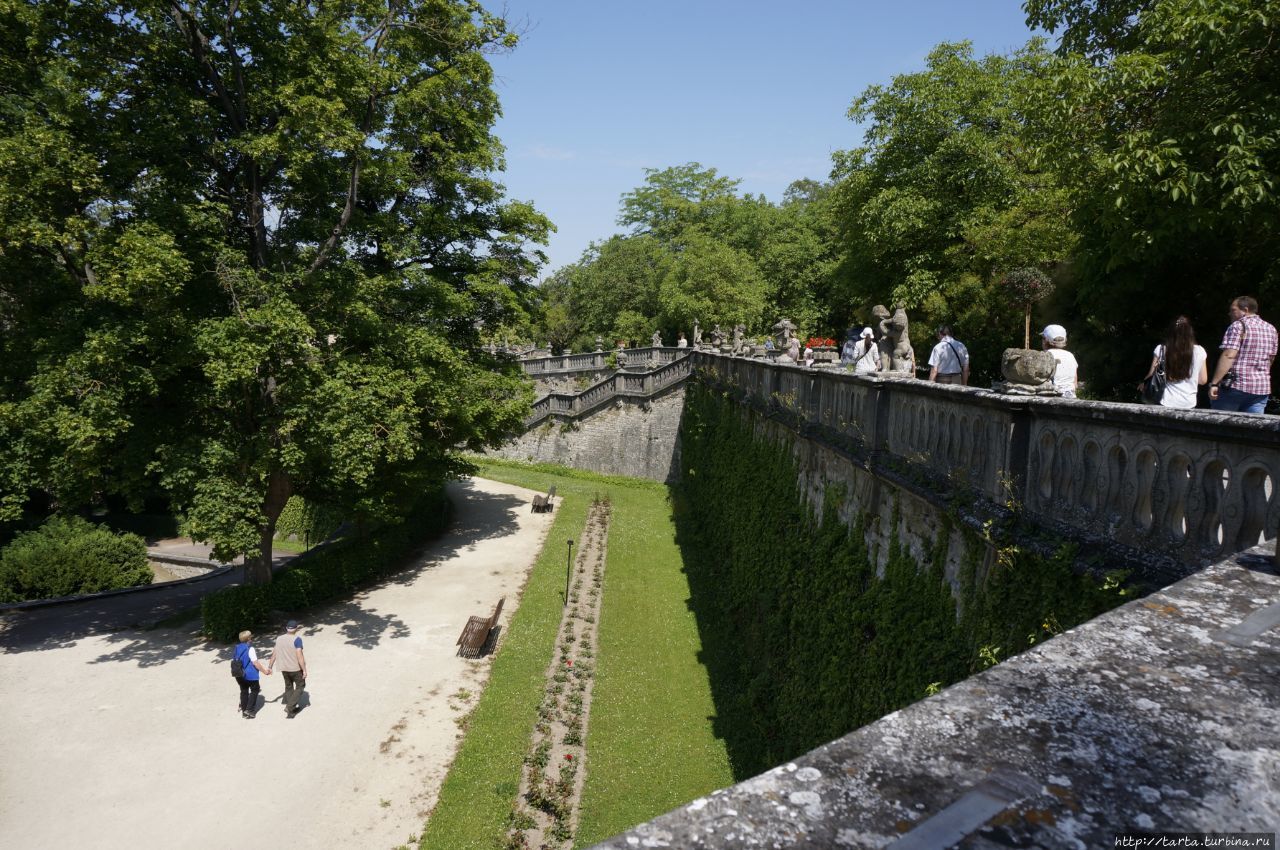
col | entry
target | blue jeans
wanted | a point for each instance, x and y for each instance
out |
(1230, 398)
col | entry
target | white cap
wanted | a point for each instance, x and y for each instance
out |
(1055, 333)
(867, 332)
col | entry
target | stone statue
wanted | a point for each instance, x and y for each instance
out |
(599, 343)
(697, 334)
(896, 353)
(717, 337)
(657, 339)
(785, 341)
(738, 331)
(1026, 372)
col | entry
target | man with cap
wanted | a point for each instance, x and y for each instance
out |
(293, 665)
(1066, 378)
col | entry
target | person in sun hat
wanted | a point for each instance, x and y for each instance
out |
(1066, 378)
(866, 354)
(293, 666)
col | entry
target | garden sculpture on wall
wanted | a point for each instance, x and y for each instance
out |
(896, 353)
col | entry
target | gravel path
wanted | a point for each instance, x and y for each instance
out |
(124, 738)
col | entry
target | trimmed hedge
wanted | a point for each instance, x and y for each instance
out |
(69, 556)
(307, 521)
(324, 574)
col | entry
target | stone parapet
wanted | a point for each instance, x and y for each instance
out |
(1189, 486)
(1158, 716)
(633, 386)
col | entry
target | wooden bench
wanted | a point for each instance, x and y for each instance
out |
(477, 632)
(542, 503)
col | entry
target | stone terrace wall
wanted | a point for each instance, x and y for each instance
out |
(629, 436)
(1173, 489)
(1157, 716)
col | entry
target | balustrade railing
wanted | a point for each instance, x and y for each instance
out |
(1193, 485)
(615, 386)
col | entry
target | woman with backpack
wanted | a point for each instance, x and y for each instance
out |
(246, 668)
(1184, 364)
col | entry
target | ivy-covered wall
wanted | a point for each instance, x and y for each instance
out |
(804, 637)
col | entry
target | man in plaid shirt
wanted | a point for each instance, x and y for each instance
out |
(1248, 348)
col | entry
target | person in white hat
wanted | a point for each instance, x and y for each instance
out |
(1066, 378)
(866, 354)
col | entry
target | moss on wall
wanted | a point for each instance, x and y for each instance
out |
(803, 640)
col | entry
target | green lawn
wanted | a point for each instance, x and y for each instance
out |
(481, 787)
(650, 745)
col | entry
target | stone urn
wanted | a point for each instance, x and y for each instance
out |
(1026, 372)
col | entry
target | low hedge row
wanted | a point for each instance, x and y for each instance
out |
(323, 574)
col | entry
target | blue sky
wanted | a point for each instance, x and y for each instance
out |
(600, 89)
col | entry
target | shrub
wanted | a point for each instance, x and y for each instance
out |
(306, 521)
(69, 556)
(324, 574)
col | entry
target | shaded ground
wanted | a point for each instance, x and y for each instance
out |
(117, 737)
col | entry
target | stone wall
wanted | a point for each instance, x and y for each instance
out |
(918, 518)
(630, 437)
(1164, 490)
(567, 382)
(1158, 716)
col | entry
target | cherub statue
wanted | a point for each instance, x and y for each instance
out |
(657, 339)
(896, 354)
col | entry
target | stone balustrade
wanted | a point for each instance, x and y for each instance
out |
(642, 385)
(627, 358)
(1189, 487)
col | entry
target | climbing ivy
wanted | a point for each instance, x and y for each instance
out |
(803, 639)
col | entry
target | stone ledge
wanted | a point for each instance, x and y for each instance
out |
(1160, 715)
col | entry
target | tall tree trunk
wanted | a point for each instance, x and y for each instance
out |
(279, 488)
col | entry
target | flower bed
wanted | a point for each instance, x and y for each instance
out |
(546, 813)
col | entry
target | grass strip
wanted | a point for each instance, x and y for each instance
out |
(478, 794)
(652, 744)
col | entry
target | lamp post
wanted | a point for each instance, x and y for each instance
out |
(568, 569)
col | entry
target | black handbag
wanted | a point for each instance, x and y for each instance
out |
(1153, 386)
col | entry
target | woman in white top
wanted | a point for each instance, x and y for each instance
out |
(1185, 365)
(866, 354)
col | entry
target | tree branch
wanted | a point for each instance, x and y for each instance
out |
(200, 47)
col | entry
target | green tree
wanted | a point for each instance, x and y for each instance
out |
(1164, 119)
(712, 282)
(673, 199)
(947, 193)
(697, 250)
(248, 251)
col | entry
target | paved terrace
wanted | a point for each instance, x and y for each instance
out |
(1162, 715)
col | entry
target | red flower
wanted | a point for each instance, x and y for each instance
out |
(569, 661)
(568, 757)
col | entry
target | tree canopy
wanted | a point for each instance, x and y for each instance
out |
(247, 251)
(696, 250)
(1136, 165)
